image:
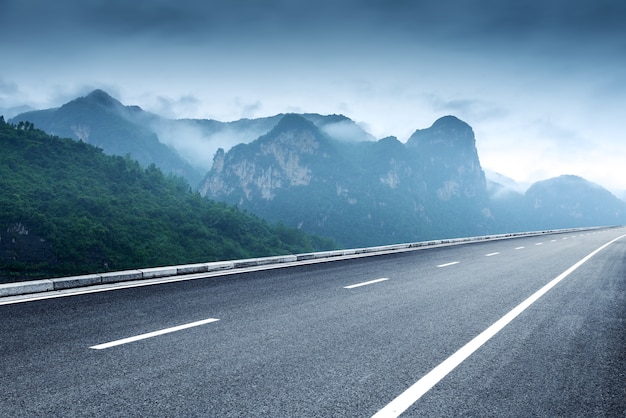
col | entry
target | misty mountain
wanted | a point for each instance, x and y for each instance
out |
(380, 192)
(184, 147)
(561, 202)
(360, 193)
(326, 175)
(571, 201)
(100, 120)
(198, 140)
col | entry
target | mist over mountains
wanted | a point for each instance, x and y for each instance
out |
(184, 147)
(361, 193)
(328, 176)
(371, 193)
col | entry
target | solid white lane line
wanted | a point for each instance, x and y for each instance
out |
(419, 388)
(491, 254)
(448, 264)
(519, 248)
(152, 334)
(352, 286)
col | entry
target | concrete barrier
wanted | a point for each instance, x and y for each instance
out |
(156, 272)
(121, 276)
(20, 288)
(192, 268)
(322, 254)
(252, 262)
(76, 281)
(220, 265)
(46, 285)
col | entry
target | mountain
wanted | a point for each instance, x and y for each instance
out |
(325, 174)
(571, 201)
(199, 139)
(102, 121)
(359, 192)
(562, 202)
(378, 192)
(339, 127)
(66, 208)
(184, 147)
(455, 184)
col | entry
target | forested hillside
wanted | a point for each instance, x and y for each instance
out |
(66, 208)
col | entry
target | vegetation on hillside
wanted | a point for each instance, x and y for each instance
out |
(66, 208)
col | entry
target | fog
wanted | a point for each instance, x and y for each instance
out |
(198, 145)
(541, 82)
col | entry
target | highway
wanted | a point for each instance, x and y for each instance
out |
(359, 337)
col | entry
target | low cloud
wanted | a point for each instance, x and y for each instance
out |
(347, 131)
(7, 88)
(184, 106)
(475, 110)
(250, 111)
(198, 140)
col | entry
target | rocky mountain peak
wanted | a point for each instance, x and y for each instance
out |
(450, 122)
(279, 160)
(292, 133)
(446, 132)
(291, 122)
(101, 98)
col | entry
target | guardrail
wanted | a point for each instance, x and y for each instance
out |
(62, 283)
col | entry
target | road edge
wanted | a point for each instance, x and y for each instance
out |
(64, 283)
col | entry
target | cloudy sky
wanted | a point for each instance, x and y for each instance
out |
(542, 82)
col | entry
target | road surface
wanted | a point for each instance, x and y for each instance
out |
(351, 338)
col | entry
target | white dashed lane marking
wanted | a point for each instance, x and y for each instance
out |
(352, 286)
(152, 334)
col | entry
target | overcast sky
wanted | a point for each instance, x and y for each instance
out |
(542, 82)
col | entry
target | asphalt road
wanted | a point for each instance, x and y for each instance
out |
(302, 342)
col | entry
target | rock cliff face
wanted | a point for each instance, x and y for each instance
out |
(280, 160)
(360, 193)
(448, 158)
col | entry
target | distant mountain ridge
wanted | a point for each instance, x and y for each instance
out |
(328, 176)
(558, 203)
(102, 121)
(184, 147)
(372, 193)
(361, 193)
